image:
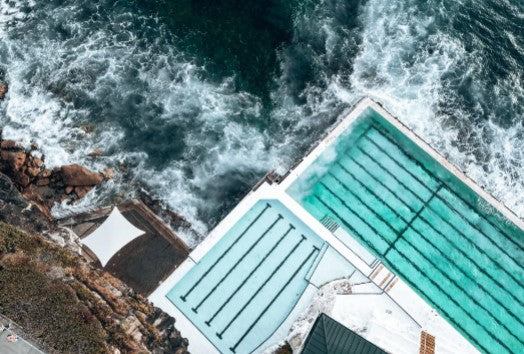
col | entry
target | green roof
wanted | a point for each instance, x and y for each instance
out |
(330, 337)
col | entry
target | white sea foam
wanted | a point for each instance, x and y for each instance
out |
(98, 60)
(410, 65)
(395, 53)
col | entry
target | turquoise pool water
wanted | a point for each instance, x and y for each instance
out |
(427, 226)
(248, 283)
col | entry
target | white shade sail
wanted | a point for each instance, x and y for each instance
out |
(111, 236)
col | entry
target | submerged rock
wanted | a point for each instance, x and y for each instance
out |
(3, 90)
(79, 176)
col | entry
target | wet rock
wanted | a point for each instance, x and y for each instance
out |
(95, 153)
(82, 191)
(3, 90)
(45, 173)
(87, 128)
(36, 162)
(108, 173)
(33, 171)
(78, 176)
(8, 144)
(15, 159)
(44, 187)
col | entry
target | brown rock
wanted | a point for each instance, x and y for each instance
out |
(95, 153)
(82, 191)
(3, 90)
(15, 159)
(22, 180)
(33, 171)
(78, 176)
(45, 173)
(8, 144)
(36, 162)
(87, 128)
(43, 182)
(108, 173)
(69, 189)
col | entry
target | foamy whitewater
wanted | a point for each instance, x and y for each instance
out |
(450, 70)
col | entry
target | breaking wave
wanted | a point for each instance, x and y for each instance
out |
(112, 76)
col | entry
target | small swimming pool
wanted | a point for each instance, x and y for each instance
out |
(445, 241)
(248, 283)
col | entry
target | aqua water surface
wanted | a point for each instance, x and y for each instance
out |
(464, 257)
(248, 283)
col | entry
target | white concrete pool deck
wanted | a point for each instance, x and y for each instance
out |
(397, 292)
(394, 290)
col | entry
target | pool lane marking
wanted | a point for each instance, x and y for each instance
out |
(449, 241)
(346, 205)
(448, 205)
(475, 301)
(208, 322)
(455, 212)
(345, 223)
(219, 335)
(356, 196)
(458, 324)
(436, 179)
(482, 306)
(279, 217)
(183, 297)
(415, 217)
(195, 309)
(315, 249)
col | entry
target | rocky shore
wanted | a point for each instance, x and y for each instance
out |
(42, 186)
(67, 306)
(62, 302)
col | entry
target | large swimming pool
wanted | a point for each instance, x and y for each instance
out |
(426, 225)
(248, 283)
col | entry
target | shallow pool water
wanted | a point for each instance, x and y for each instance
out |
(248, 283)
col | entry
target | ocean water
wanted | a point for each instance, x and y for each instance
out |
(195, 100)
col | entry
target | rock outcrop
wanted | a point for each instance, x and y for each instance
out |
(16, 210)
(62, 302)
(42, 186)
(3, 89)
(67, 306)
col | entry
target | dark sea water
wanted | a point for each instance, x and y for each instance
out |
(195, 100)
